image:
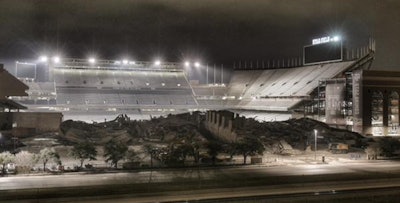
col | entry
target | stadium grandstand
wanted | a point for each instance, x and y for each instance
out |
(331, 90)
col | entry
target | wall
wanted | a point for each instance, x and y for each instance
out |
(220, 124)
(39, 121)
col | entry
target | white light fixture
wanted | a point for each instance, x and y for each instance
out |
(336, 38)
(56, 59)
(92, 60)
(125, 61)
(43, 58)
(157, 63)
(187, 64)
(132, 62)
(197, 64)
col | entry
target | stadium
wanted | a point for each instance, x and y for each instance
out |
(329, 83)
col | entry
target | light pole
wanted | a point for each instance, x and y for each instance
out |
(315, 143)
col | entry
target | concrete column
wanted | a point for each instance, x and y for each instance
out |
(230, 125)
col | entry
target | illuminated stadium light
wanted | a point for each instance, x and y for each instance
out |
(157, 63)
(125, 62)
(132, 62)
(187, 64)
(92, 60)
(197, 64)
(43, 59)
(240, 98)
(147, 84)
(56, 59)
(336, 38)
(178, 84)
(163, 84)
(117, 62)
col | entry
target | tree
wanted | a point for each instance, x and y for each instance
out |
(48, 154)
(114, 151)
(132, 155)
(152, 151)
(83, 151)
(249, 146)
(25, 161)
(214, 148)
(389, 146)
(6, 158)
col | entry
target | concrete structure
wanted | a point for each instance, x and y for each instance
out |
(379, 102)
(22, 123)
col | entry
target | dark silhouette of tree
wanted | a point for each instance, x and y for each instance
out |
(389, 146)
(249, 146)
(152, 151)
(214, 148)
(114, 151)
(132, 155)
(83, 151)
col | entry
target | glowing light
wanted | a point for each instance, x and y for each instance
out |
(132, 62)
(157, 63)
(43, 58)
(125, 61)
(56, 59)
(197, 64)
(336, 38)
(92, 60)
(187, 63)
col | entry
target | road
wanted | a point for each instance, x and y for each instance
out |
(146, 186)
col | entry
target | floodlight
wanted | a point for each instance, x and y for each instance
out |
(157, 63)
(197, 64)
(124, 61)
(132, 62)
(92, 60)
(43, 58)
(56, 59)
(336, 38)
(187, 63)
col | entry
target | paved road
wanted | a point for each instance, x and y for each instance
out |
(247, 180)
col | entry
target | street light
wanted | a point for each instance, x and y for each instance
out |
(315, 144)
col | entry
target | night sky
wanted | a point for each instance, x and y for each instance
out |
(212, 31)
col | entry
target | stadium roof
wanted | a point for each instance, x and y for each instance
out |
(10, 85)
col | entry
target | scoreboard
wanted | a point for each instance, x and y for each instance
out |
(323, 50)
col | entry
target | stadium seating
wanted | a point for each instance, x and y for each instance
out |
(262, 90)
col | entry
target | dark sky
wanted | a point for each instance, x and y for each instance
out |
(213, 31)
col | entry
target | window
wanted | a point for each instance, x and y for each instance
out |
(377, 108)
(393, 111)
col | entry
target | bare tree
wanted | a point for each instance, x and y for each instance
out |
(25, 161)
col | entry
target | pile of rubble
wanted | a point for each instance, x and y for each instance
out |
(287, 137)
